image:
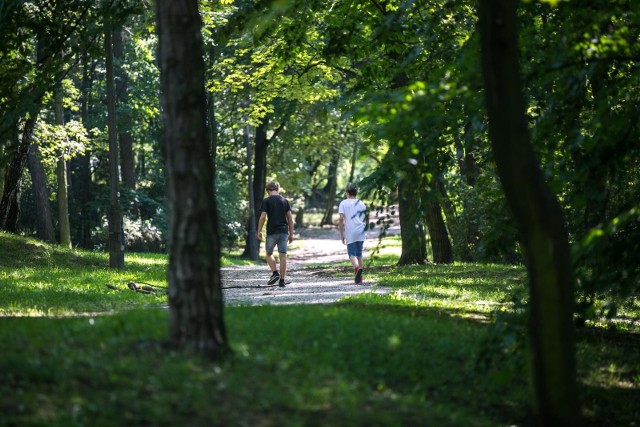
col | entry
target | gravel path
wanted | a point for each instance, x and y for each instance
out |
(309, 284)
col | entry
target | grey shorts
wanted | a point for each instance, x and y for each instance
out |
(277, 239)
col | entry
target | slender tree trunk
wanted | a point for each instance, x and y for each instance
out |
(539, 217)
(61, 178)
(211, 109)
(414, 241)
(253, 251)
(354, 156)
(597, 177)
(127, 165)
(260, 163)
(261, 145)
(3, 169)
(83, 191)
(116, 244)
(195, 285)
(44, 223)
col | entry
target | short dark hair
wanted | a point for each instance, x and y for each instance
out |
(352, 189)
(273, 186)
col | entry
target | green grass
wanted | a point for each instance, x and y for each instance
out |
(40, 279)
(436, 351)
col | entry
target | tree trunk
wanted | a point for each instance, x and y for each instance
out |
(61, 178)
(260, 163)
(3, 169)
(539, 217)
(438, 233)
(211, 109)
(114, 218)
(414, 242)
(253, 251)
(124, 118)
(82, 188)
(44, 223)
(261, 145)
(354, 156)
(195, 285)
(331, 188)
(10, 203)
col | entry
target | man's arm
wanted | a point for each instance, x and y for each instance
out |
(341, 227)
(263, 216)
(290, 221)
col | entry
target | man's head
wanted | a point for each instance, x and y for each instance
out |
(352, 189)
(273, 186)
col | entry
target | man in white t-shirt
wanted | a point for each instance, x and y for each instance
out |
(352, 226)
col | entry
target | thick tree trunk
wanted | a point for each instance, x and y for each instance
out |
(10, 203)
(331, 188)
(414, 242)
(539, 217)
(438, 233)
(44, 223)
(195, 287)
(114, 218)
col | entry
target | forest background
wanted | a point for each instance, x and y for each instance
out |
(316, 94)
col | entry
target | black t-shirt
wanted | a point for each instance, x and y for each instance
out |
(276, 208)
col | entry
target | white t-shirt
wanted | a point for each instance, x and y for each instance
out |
(354, 220)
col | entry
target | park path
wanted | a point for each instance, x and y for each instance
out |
(310, 284)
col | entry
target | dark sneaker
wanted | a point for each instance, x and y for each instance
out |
(273, 279)
(281, 283)
(358, 278)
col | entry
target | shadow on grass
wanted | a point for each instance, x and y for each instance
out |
(311, 366)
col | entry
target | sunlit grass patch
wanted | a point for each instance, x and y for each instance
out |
(459, 288)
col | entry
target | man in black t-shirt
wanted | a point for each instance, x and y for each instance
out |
(279, 231)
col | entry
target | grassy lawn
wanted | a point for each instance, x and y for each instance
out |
(444, 348)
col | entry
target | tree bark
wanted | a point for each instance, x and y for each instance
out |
(253, 250)
(260, 163)
(10, 203)
(3, 169)
(61, 178)
(44, 223)
(82, 188)
(114, 218)
(540, 220)
(331, 188)
(438, 233)
(195, 286)
(414, 241)
(125, 140)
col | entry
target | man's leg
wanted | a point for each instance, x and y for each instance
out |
(358, 260)
(283, 265)
(282, 255)
(271, 262)
(272, 265)
(355, 261)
